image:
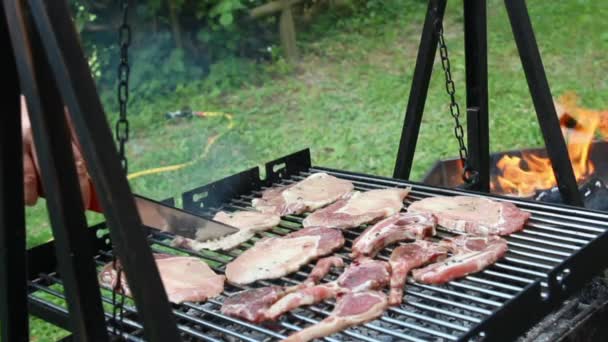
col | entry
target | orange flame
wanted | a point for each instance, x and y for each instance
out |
(523, 176)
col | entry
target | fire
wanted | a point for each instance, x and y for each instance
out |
(523, 176)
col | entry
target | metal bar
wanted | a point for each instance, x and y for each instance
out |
(59, 180)
(13, 270)
(78, 91)
(476, 59)
(418, 92)
(543, 101)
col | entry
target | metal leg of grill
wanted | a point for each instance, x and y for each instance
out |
(476, 56)
(13, 296)
(420, 87)
(60, 182)
(543, 101)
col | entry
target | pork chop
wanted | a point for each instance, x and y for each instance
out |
(311, 193)
(363, 275)
(322, 268)
(473, 215)
(399, 227)
(275, 257)
(358, 277)
(407, 257)
(306, 296)
(186, 279)
(471, 254)
(352, 309)
(360, 208)
(248, 222)
(253, 304)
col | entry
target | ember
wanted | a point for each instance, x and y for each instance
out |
(524, 176)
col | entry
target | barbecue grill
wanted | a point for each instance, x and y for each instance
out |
(557, 253)
(554, 256)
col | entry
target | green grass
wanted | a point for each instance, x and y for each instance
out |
(346, 100)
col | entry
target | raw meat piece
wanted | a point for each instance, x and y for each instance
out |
(313, 192)
(399, 227)
(275, 257)
(358, 277)
(248, 222)
(252, 304)
(473, 215)
(471, 254)
(358, 209)
(184, 278)
(407, 257)
(322, 268)
(351, 309)
(363, 275)
(305, 296)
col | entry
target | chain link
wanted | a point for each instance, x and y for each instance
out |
(469, 175)
(122, 136)
(122, 125)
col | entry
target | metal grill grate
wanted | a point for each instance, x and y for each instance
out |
(546, 262)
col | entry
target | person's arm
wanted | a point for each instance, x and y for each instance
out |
(31, 169)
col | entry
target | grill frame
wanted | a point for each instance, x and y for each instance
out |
(534, 298)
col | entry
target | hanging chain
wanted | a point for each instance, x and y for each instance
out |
(469, 175)
(122, 125)
(122, 135)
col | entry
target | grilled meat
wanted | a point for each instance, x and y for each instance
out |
(253, 305)
(399, 227)
(407, 257)
(363, 275)
(275, 257)
(473, 215)
(316, 191)
(248, 222)
(352, 309)
(359, 208)
(322, 268)
(186, 279)
(302, 297)
(471, 254)
(358, 277)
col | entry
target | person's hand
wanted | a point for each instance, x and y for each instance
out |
(31, 169)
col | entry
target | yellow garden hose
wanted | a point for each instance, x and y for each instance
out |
(212, 139)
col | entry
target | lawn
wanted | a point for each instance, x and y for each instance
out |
(346, 98)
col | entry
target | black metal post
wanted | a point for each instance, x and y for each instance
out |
(59, 179)
(418, 92)
(13, 271)
(77, 88)
(476, 57)
(543, 101)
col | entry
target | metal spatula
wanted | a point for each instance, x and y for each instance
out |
(179, 222)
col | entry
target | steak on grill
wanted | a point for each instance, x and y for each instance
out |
(186, 279)
(358, 277)
(359, 208)
(253, 305)
(363, 275)
(407, 257)
(275, 257)
(322, 268)
(473, 215)
(351, 309)
(471, 254)
(248, 222)
(313, 192)
(399, 227)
